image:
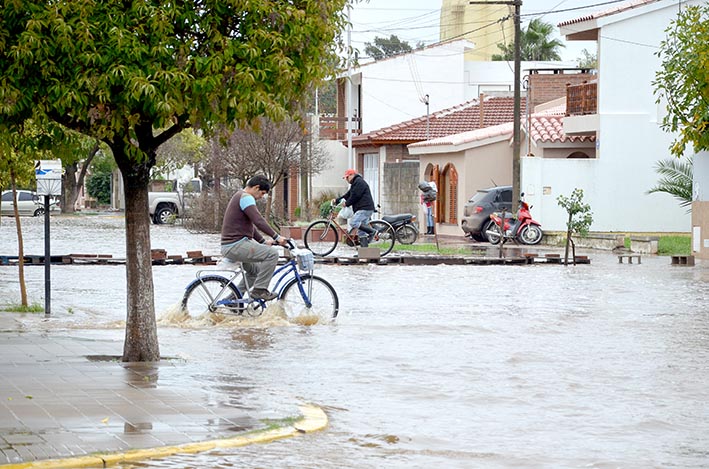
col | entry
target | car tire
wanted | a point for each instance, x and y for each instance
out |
(38, 212)
(163, 215)
(489, 226)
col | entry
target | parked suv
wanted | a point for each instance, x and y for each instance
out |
(476, 215)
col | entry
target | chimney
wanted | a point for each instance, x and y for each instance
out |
(482, 113)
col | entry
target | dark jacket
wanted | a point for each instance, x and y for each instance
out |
(359, 197)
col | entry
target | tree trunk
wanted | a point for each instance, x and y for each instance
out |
(72, 184)
(568, 240)
(141, 341)
(70, 191)
(20, 244)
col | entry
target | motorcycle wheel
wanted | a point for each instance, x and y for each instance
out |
(406, 234)
(493, 228)
(531, 234)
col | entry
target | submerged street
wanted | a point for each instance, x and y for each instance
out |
(600, 365)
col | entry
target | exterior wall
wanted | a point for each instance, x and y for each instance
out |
(555, 152)
(400, 193)
(700, 206)
(330, 180)
(478, 168)
(390, 94)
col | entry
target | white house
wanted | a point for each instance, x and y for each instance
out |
(620, 109)
(404, 87)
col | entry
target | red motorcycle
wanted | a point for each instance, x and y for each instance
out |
(521, 229)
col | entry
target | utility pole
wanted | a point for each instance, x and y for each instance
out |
(516, 134)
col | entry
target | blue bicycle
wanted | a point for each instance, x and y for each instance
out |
(299, 291)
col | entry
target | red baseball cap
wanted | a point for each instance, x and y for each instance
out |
(348, 173)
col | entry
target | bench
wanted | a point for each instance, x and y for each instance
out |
(682, 260)
(629, 257)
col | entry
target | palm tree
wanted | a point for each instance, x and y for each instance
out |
(676, 179)
(535, 44)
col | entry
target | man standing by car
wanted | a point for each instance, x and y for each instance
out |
(242, 240)
(359, 197)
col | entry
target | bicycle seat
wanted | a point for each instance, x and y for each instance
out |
(227, 264)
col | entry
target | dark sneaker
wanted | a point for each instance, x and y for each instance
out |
(364, 241)
(263, 294)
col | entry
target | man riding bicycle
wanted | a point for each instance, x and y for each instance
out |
(359, 197)
(242, 240)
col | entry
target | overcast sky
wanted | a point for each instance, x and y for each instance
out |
(417, 21)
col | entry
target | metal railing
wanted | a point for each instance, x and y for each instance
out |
(335, 128)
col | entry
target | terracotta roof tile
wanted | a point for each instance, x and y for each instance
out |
(464, 117)
(610, 11)
(545, 127)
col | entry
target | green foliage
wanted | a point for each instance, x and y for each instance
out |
(18, 308)
(386, 47)
(580, 215)
(98, 183)
(676, 180)
(674, 245)
(683, 79)
(535, 43)
(588, 60)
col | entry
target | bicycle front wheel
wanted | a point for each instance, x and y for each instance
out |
(384, 238)
(210, 294)
(320, 237)
(311, 296)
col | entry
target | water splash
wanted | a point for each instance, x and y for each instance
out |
(273, 316)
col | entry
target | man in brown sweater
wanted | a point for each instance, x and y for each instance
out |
(242, 239)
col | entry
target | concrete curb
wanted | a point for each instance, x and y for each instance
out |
(313, 419)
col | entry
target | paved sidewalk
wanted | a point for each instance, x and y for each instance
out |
(64, 396)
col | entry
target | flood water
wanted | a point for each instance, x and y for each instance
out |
(602, 365)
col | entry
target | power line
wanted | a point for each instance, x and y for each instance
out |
(541, 13)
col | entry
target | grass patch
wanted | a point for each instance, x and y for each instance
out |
(431, 248)
(16, 308)
(674, 245)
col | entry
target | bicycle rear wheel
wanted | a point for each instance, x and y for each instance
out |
(384, 238)
(320, 237)
(210, 294)
(324, 303)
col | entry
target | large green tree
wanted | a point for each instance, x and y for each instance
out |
(135, 73)
(535, 44)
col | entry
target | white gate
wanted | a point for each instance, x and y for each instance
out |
(371, 174)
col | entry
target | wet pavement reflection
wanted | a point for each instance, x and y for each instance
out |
(600, 365)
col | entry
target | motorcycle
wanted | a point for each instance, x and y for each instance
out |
(522, 229)
(403, 224)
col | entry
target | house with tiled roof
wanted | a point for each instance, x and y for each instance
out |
(466, 162)
(607, 142)
(393, 173)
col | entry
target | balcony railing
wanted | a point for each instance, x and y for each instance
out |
(335, 128)
(582, 99)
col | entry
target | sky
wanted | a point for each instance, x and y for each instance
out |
(417, 21)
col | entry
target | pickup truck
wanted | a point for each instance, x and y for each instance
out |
(163, 206)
